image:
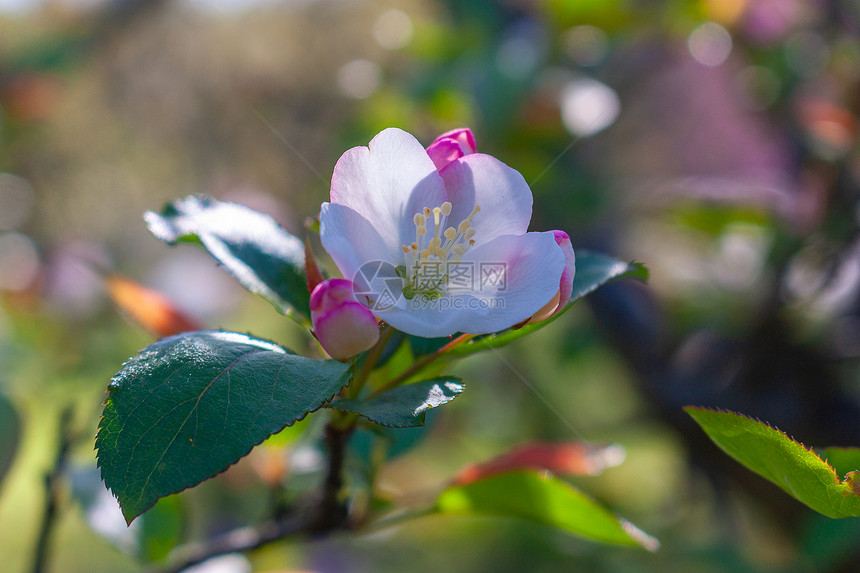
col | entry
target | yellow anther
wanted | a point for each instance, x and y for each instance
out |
(426, 260)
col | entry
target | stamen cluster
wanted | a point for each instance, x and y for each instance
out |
(429, 257)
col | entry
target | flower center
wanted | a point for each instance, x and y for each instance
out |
(429, 258)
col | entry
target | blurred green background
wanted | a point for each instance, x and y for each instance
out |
(714, 140)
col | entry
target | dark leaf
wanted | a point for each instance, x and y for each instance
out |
(404, 406)
(262, 256)
(186, 407)
(593, 270)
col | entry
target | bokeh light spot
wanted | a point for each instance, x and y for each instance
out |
(359, 79)
(393, 30)
(710, 44)
(19, 262)
(588, 106)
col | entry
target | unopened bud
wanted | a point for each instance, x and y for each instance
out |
(451, 146)
(343, 326)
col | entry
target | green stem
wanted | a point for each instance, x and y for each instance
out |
(369, 362)
(421, 364)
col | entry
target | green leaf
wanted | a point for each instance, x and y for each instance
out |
(545, 500)
(258, 252)
(843, 460)
(776, 457)
(593, 270)
(404, 406)
(189, 406)
(10, 434)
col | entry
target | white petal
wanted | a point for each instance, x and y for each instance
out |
(531, 267)
(350, 239)
(387, 183)
(435, 318)
(501, 192)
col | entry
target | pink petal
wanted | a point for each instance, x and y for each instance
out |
(351, 240)
(450, 146)
(501, 192)
(565, 287)
(464, 137)
(562, 239)
(531, 266)
(443, 152)
(387, 182)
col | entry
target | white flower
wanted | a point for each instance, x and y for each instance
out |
(436, 252)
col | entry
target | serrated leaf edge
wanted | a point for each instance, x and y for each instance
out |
(807, 449)
(99, 437)
(420, 418)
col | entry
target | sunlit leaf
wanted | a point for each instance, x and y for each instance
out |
(770, 453)
(186, 407)
(843, 460)
(563, 458)
(149, 308)
(404, 406)
(545, 500)
(263, 257)
(593, 270)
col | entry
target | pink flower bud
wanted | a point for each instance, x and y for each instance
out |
(451, 146)
(343, 326)
(565, 287)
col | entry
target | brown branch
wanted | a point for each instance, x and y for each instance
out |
(329, 514)
(235, 541)
(52, 493)
(332, 511)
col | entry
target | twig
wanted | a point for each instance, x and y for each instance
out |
(235, 541)
(332, 511)
(421, 364)
(52, 492)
